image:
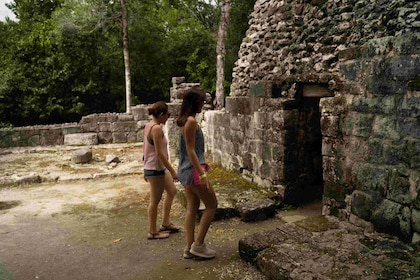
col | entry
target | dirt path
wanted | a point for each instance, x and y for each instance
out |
(97, 228)
(60, 226)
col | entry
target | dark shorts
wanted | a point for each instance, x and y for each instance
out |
(153, 173)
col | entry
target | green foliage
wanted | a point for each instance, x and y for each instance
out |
(63, 59)
(240, 14)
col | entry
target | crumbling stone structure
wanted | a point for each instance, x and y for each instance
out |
(325, 102)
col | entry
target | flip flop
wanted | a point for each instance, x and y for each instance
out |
(171, 228)
(157, 235)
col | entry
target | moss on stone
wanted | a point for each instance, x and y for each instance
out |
(314, 224)
(334, 190)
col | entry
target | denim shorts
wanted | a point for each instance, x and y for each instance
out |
(153, 173)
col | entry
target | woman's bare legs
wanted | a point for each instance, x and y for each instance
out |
(207, 195)
(193, 203)
(194, 195)
(170, 189)
(156, 190)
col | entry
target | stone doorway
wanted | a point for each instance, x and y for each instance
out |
(303, 172)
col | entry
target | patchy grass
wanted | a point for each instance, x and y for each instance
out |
(4, 205)
(80, 209)
(314, 224)
(235, 187)
(229, 178)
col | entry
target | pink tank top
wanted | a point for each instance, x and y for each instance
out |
(151, 161)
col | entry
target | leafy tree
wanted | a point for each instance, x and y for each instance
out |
(240, 14)
(64, 58)
(167, 40)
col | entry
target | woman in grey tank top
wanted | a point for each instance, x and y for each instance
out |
(192, 173)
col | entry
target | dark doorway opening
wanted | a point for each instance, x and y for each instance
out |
(303, 172)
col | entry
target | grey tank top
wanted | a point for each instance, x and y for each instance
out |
(185, 167)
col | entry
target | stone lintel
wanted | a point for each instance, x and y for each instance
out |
(316, 90)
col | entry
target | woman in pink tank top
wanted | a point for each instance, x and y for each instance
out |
(155, 153)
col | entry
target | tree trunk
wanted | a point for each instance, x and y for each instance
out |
(126, 58)
(221, 53)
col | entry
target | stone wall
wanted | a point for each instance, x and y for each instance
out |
(102, 128)
(325, 102)
(106, 128)
(354, 65)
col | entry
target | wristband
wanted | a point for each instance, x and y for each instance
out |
(202, 176)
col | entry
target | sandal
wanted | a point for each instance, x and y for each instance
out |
(157, 235)
(171, 228)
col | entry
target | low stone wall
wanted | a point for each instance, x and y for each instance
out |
(41, 135)
(108, 127)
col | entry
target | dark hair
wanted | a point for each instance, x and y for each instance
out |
(158, 108)
(193, 98)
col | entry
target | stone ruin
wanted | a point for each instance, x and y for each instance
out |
(325, 103)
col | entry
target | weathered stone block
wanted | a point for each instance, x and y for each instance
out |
(257, 89)
(408, 43)
(363, 204)
(71, 129)
(399, 186)
(350, 69)
(80, 139)
(132, 137)
(386, 127)
(391, 217)
(390, 76)
(276, 264)
(410, 127)
(328, 146)
(238, 105)
(140, 112)
(250, 246)
(372, 177)
(123, 126)
(256, 210)
(89, 127)
(104, 137)
(95, 118)
(51, 137)
(125, 117)
(81, 156)
(330, 126)
(416, 220)
(350, 53)
(104, 127)
(358, 124)
(88, 119)
(409, 106)
(119, 137)
(410, 152)
(277, 120)
(237, 122)
(334, 191)
(383, 153)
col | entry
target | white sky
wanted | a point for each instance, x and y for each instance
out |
(4, 11)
